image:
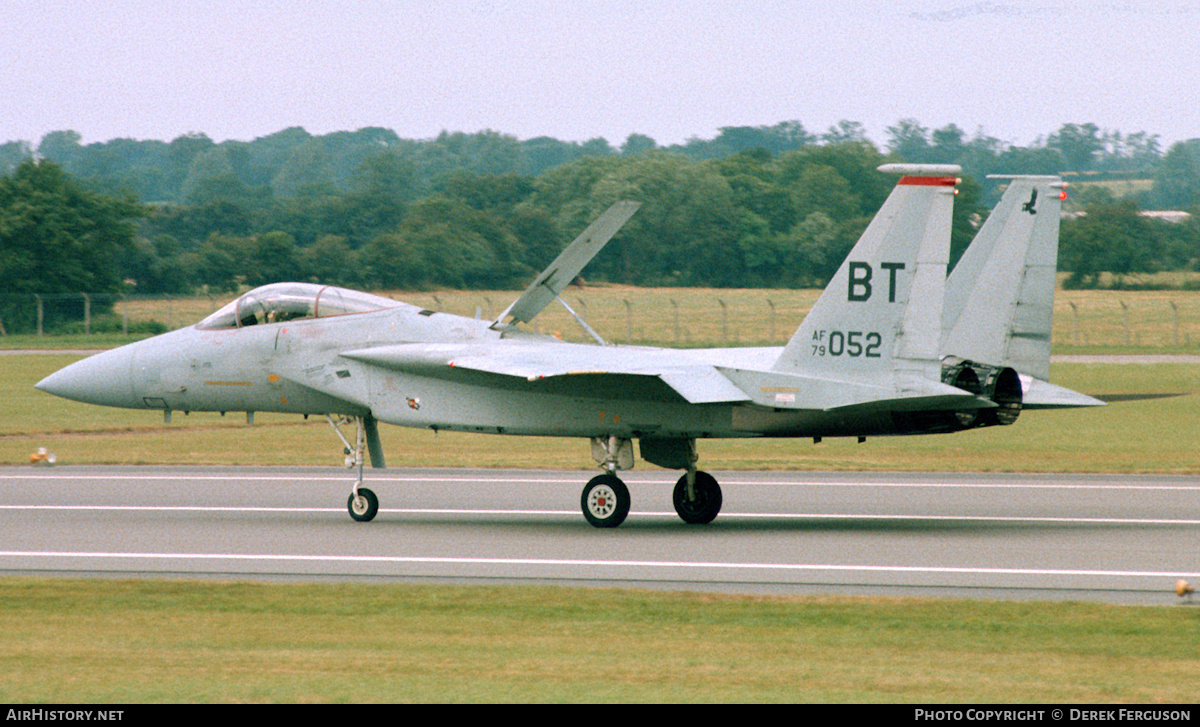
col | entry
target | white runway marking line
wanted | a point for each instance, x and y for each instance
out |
(236, 509)
(575, 513)
(793, 567)
(583, 476)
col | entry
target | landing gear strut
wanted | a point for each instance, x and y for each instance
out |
(363, 504)
(697, 496)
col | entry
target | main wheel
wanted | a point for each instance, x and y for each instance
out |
(605, 501)
(363, 506)
(704, 506)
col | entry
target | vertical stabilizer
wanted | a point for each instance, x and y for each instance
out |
(881, 314)
(1000, 295)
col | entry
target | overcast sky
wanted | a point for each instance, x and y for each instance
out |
(578, 69)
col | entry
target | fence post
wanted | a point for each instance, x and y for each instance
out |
(771, 317)
(87, 314)
(628, 321)
(675, 314)
(1074, 323)
(1175, 320)
(1125, 319)
(724, 322)
(41, 314)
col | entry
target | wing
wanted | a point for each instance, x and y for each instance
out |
(566, 367)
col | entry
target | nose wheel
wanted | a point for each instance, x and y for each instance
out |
(363, 505)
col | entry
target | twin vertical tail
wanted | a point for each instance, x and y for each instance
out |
(999, 305)
(879, 320)
(891, 333)
(1000, 295)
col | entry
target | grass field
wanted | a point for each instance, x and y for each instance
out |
(121, 642)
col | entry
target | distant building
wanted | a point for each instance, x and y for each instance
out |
(1172, 216)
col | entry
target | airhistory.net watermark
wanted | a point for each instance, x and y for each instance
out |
(64, 715)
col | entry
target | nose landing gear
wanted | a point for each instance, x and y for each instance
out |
(363, 504)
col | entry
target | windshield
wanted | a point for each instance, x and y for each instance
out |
(292, 301)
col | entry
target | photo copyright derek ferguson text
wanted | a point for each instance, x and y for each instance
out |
(1053, 715)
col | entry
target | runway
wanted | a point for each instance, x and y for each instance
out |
(1124, 539)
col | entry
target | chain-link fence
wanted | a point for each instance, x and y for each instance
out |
(94, 313)
(1165, 320)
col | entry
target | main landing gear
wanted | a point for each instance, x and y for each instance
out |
(605, 500)
(698, 501)
(363, 504)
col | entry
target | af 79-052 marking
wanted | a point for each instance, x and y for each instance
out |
(849, 343)
(934, 355)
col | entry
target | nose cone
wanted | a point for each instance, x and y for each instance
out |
(105, 379)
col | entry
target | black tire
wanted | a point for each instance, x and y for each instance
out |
(704, 507)
(605, 501)
(364, 507)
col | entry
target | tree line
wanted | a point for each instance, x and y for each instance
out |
(193, 169)
(771, 206)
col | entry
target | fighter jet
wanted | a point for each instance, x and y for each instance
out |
(878, 354)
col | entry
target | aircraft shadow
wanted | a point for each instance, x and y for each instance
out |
(733, 524)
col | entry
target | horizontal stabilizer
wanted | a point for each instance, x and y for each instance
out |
(559, 274)
(1041, 394)
(1115, 398)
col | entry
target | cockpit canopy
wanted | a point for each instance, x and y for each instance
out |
(293, 301)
